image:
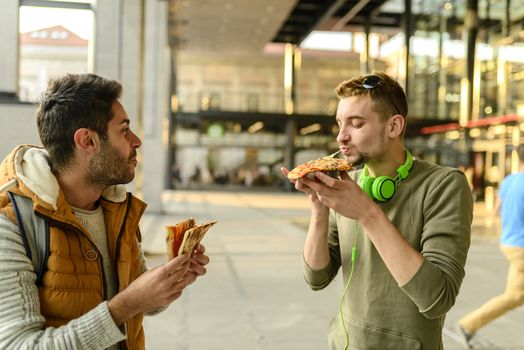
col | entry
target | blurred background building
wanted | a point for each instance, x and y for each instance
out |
(224, 92)
(45, 53)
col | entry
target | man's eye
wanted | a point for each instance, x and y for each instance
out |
(356, 125)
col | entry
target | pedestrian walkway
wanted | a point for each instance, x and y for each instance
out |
(254, 295)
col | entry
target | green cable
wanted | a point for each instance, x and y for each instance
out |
(353, 259)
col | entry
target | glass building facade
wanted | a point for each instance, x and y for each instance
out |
(460, 62)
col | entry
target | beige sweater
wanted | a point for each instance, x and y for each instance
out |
(93, 221)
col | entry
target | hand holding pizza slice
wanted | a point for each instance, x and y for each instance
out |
(324, 164)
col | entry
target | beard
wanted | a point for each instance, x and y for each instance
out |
(109, 167)
(356, 159)
(362, 157)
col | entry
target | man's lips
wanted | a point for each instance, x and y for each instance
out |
(132, 157)
(344, 150)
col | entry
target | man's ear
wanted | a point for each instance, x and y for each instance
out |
(87, 140)
(396, 125)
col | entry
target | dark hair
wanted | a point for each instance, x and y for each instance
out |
(72, 102)
(520, 152)
(383, 95)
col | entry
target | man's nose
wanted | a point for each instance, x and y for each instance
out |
(135, 141)
(342, 135)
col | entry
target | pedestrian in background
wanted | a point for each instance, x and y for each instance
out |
(510, 206)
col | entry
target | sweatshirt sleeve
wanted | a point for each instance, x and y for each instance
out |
(445, 240)
(21, 323)
(319, 279)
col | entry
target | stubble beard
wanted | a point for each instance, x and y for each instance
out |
(356, 160)
(109, 168)
(361, 158)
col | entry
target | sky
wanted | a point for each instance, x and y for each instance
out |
(339, 41)
(79, 22)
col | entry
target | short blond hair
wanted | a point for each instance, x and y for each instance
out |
(382, 96)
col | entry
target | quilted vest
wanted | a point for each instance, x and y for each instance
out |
(73, 283)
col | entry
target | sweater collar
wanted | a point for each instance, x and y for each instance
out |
(31, 167)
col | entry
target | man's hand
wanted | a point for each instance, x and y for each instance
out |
(302, 186)
(342, 195)
(154, 289)
(197, 264)
(347, 198)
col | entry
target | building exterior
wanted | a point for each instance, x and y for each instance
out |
(231, 113)
(224, 93)
(46, 53)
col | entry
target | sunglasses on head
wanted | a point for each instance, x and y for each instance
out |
(372, 81)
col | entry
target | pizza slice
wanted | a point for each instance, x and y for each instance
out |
(324, 164)
(175, 236)
(193, 236)
(178, 236)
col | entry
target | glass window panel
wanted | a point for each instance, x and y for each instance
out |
(53, 41)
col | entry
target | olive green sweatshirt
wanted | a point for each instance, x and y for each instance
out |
(433, 210)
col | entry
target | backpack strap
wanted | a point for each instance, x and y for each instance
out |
(34, 230)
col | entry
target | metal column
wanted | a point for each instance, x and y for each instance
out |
(442, 109)
(364, 56)
(9, 58)
(471, 26)
(171, 127)
(289, 107)
(408, 33)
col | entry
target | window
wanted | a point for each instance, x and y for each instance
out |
(54, 40)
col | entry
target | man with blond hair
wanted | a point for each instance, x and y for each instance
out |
(399, 227)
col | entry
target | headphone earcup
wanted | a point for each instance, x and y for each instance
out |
(367, 185)
(383, 188)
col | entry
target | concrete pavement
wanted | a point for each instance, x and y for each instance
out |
(254, 296)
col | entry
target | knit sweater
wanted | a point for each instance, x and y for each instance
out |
(93, 221)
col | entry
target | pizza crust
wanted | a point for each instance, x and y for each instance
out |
(193, 236)
(323, 164)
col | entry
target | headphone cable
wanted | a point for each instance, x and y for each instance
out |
(346, 288)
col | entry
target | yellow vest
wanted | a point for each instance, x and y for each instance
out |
(73, 282)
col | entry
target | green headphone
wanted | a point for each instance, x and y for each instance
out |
(383, 188)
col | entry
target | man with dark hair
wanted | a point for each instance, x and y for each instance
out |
(95, 287)
(399, 227)
(510, 206)
(89, 98)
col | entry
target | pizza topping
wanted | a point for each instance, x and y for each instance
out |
(324, 164)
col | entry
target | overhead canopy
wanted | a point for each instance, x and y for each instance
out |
(239, 26)
(333, 15)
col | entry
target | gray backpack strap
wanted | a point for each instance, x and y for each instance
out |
(34, 230)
